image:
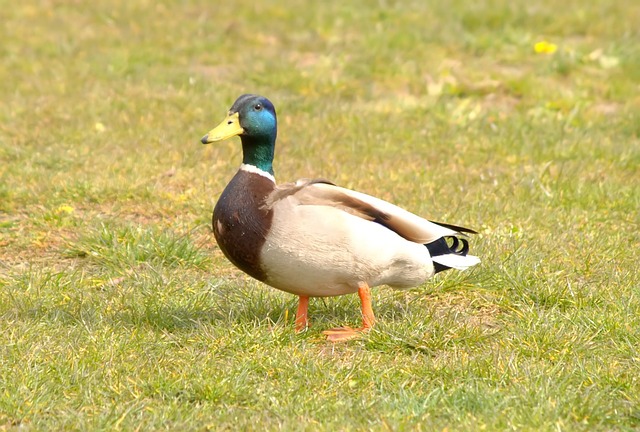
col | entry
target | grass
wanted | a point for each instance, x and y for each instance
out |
(118, 312)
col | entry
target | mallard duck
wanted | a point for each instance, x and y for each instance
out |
(312, 238)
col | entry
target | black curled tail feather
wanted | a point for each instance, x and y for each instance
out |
(447, 245)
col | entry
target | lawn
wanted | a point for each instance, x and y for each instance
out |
(519, 119)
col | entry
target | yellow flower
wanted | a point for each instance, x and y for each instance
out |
(65, 209)
(545, 47)
(100, 127)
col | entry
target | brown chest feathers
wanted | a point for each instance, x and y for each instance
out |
(241, 223)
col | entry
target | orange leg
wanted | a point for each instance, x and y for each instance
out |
(302, 315)
(368, 318)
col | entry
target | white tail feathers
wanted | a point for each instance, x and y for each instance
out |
(458, 262)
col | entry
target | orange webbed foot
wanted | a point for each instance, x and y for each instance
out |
(342, 334)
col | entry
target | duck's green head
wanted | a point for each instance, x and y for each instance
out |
(253, 118)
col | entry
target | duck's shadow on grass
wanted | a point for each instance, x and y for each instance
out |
(250, 304)
(272, 310)
(216, 305)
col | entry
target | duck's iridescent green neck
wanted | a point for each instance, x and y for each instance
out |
(259, 152)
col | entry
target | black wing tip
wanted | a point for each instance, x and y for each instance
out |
(460, 229)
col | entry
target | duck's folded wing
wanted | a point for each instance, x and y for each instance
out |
(404, 223)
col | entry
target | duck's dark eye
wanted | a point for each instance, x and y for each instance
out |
(257, 107)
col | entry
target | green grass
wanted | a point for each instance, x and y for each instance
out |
(118, 312)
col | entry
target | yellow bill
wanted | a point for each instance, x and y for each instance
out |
(229, 127)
